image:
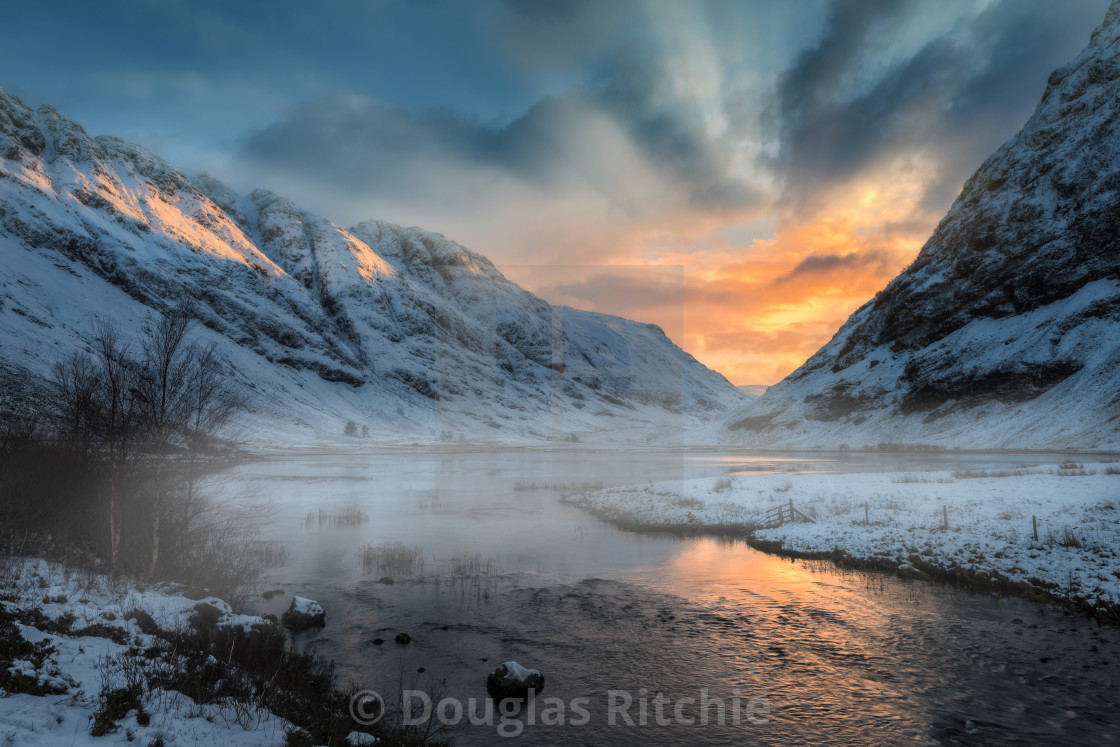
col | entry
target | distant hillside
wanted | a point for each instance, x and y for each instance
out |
(396, 328)
(1005, 331)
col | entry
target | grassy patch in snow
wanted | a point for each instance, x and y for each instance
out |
(912, 478)
(522, 486)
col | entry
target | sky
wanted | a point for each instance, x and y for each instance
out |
(745, 173)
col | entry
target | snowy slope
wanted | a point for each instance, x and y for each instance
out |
(82, 660)
(397, 328)
(1005, 331)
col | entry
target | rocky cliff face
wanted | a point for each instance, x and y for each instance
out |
(1005, 331)
(396, 327)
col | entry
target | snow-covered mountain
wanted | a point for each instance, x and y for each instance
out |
(396, 328)
(1005, 331)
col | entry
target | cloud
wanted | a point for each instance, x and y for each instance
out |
(880, 262)
(606, 136)
(959, 94)
(848, 150)
(652, 293)
(554, 35)
(796, 338)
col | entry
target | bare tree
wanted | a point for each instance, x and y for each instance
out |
(212, 405)
(75, 384)
(19, 431)
(163, 397)
(138, 424)
(213, 402)
(117, 420)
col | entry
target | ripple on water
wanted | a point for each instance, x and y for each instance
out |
(841, 657)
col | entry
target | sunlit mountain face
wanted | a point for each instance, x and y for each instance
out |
(745, 175)
(650, 352)
(396, 327)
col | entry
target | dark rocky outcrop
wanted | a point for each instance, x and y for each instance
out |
(1005, 330)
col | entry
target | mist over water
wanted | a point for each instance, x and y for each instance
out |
(510, 573)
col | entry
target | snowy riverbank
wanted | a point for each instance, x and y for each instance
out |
(88, 661)
(898, 520)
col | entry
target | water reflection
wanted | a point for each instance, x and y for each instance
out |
(840, 657)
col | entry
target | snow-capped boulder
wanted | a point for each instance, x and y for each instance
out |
(304, 614)
(511, 680)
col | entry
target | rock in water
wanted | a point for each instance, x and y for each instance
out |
(304, 614)
(511, 680)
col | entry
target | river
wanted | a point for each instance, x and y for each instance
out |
(784, 652)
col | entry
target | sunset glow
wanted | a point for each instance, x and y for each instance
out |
(743, 174)
(551, 372)
(756, 311)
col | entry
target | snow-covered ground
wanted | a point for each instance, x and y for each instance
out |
(397, 329)
(81, 664)
(898, 519)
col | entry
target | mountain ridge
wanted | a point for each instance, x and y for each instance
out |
(397, 326)
(1005, 330)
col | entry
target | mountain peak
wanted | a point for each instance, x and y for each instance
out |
(398, 327)
(1009, 313)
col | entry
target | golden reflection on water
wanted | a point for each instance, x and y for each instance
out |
(707, 567)
(812, 639)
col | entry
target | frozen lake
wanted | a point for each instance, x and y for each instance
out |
(836, 656)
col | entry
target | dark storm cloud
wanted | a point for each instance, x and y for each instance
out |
(671, 133)
(362, 142)
(382, 148)
(823, 264)
(961, 93)
(838, 110)
(377, 146)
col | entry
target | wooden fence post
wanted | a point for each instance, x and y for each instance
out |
(866, 514)
(945, 517)
(1034, 524)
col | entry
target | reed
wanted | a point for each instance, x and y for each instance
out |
(393, 559)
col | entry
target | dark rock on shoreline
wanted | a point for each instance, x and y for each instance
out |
(304, 614)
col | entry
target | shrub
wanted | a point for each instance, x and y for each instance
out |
(113, 705)
(143, 620)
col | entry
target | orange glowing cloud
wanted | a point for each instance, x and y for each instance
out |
(758, 320)
(757, 312)
(751, 288)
